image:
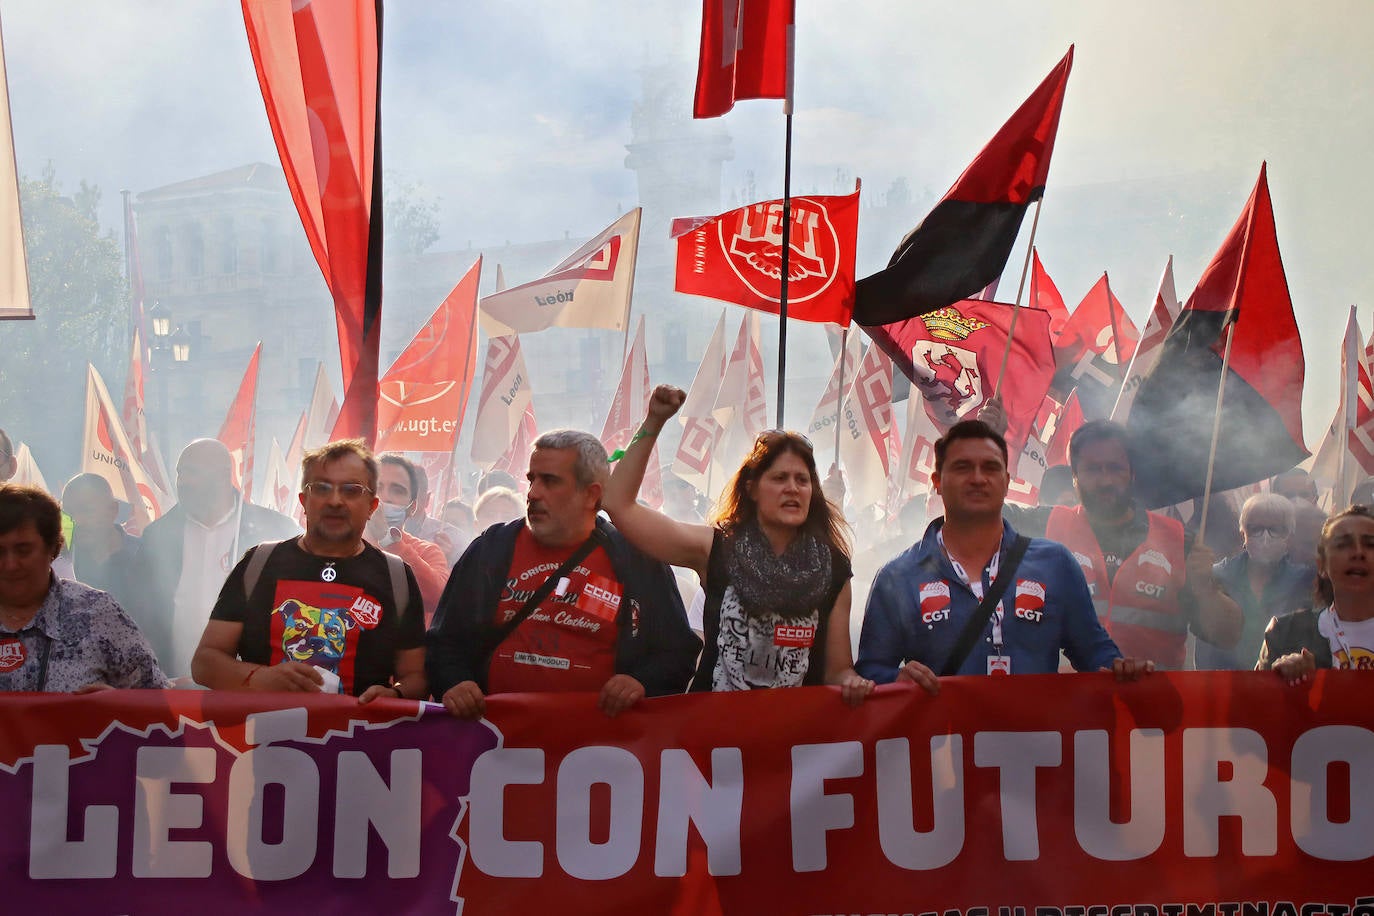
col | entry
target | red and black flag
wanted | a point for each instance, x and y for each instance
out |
(319, 67)
(962, 245)
(1242, 292)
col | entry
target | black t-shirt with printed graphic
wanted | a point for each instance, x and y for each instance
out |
(337, 614)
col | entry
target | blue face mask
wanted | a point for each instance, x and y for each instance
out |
(395, 515)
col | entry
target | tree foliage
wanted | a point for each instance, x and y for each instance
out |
(410, 221)
(80, 304)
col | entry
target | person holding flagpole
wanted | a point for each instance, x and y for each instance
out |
(774, 562)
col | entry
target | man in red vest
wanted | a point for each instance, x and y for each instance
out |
(1150, 582)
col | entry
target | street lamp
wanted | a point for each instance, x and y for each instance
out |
(160, 317)
(181, 346)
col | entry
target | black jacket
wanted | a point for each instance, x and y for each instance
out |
(661, 655)
(1294, 632)
(160, 563)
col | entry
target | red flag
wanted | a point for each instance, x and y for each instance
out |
(1243, 289)
(1045, 295)
(627, 411)
(745, 46)
(953, 356)
(737, 257)
(1066, 424)
(319, 66)
(425, 392)
(1093, 351)
(962, 245)
(237, 433)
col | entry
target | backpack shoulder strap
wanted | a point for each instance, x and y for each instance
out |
(257, 559)
(400, 589)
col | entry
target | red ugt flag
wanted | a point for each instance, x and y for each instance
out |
(425, 392)
(737, 257)
(744, 50)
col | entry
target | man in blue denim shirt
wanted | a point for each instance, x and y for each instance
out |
(921, 601)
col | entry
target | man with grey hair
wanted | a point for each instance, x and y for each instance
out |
(1261, 578)
(558, 600)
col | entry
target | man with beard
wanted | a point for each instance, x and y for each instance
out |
(559, 600)
(324, 612)
(1150, 583)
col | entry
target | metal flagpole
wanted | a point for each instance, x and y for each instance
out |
(1216, 431)
(839, 394)
(1111, 317)
(786, 225)
(1016, 308)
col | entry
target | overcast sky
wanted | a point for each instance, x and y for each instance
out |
(515, 115)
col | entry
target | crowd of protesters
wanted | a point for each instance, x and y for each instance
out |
(569, 582)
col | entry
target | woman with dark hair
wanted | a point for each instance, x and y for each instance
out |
(56, 635)
(774, 563)
(1339, 632)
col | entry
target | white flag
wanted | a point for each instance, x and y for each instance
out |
(741, 406)
(14, 270)
(589, 289)
(821, 429)
(866, 421)
(26, 473)
(695, 461)
(106, 451)
(280, 489)
(1334, 469)
(501, 405)
(1162, 317)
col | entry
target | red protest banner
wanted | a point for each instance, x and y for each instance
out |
(1052, 795)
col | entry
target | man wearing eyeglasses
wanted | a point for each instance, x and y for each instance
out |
(189, 550)
(326, 611)
(1150, 582)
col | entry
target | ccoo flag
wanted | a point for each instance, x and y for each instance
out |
(745, 51)
(962, 245)
(589, 289)
(1243, 289)
(425, 392)
(737, 257)
(319, 68)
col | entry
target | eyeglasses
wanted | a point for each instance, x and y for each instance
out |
(1274, 531)
(323, 489)
(776, 433)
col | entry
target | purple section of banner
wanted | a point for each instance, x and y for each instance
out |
(204, 819)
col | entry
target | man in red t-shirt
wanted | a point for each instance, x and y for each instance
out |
(612, 623)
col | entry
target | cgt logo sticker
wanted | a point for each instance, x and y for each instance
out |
(1030, 600)
(934, 601)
